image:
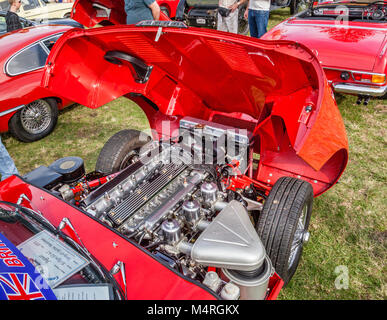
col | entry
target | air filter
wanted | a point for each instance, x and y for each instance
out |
(71, 168)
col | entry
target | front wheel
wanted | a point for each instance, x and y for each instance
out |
(283, 224)
(120, 151)
(35, 121)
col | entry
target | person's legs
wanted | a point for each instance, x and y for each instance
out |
(232, 22)
(7, 166)
(221, 25)
(253, 24)
(262, 20)
(180, 10)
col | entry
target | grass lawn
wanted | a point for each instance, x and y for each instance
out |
(348, 226)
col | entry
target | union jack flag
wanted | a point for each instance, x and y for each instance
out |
(20, 286)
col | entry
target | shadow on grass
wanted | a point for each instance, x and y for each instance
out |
(70, 108)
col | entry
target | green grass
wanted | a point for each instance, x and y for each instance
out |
(348, 225)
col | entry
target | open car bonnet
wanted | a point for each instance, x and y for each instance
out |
(276, 87)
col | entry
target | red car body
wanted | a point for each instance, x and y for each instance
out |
(20, 90)
(209, 75)
(353, 49)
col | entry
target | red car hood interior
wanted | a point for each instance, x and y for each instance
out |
(353, 47)
(206, 74)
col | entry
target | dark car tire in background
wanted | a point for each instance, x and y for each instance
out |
(283, 224)
(35, 121)
(120, 151)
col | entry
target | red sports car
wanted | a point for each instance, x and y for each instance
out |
(27, 110)
(350, 41)
(216, 203)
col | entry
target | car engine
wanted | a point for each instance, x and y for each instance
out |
(174, 201)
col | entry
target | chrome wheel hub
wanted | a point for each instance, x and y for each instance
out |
(300, 236)
(36, 117)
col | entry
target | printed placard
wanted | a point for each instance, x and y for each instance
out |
(54, 259)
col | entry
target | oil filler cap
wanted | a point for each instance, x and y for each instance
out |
(71, 168)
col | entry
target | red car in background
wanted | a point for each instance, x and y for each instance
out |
(350, 41)
(27, 110)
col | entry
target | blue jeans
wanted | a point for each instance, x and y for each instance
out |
(258, 20)
(7, 166)
(180, 9)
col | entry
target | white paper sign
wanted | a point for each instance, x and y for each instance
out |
(83, 292)
(54, 259)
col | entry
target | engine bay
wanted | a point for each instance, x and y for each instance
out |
(175, 201)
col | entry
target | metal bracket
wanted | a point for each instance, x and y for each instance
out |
(159, 33)
(141, 71)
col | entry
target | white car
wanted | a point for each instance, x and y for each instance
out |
(41, 9)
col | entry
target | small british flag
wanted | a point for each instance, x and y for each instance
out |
(20, 286)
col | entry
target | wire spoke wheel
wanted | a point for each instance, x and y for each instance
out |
(36, 117)
(129, 159)
(120, 151)
(298, 239)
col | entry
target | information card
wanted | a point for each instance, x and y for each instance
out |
(54, 259)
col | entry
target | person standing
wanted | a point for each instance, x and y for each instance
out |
(180, 11)
(257, 13)
(139, 10)
(7, 166)
(12, 19)
(228, 15)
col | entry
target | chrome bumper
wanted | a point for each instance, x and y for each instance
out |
(360, 89)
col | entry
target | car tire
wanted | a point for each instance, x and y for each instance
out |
(67, 15)
(35, 121)
(120, 151)
(283, 224)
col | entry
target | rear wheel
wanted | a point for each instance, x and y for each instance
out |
(283, 224)
(120, 151)
(35, 121)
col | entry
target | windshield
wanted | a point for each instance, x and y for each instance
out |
(64, 267)
(359, 10)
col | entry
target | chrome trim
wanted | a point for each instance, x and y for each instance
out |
(359, 72)
(360, 90)
(11, 110)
